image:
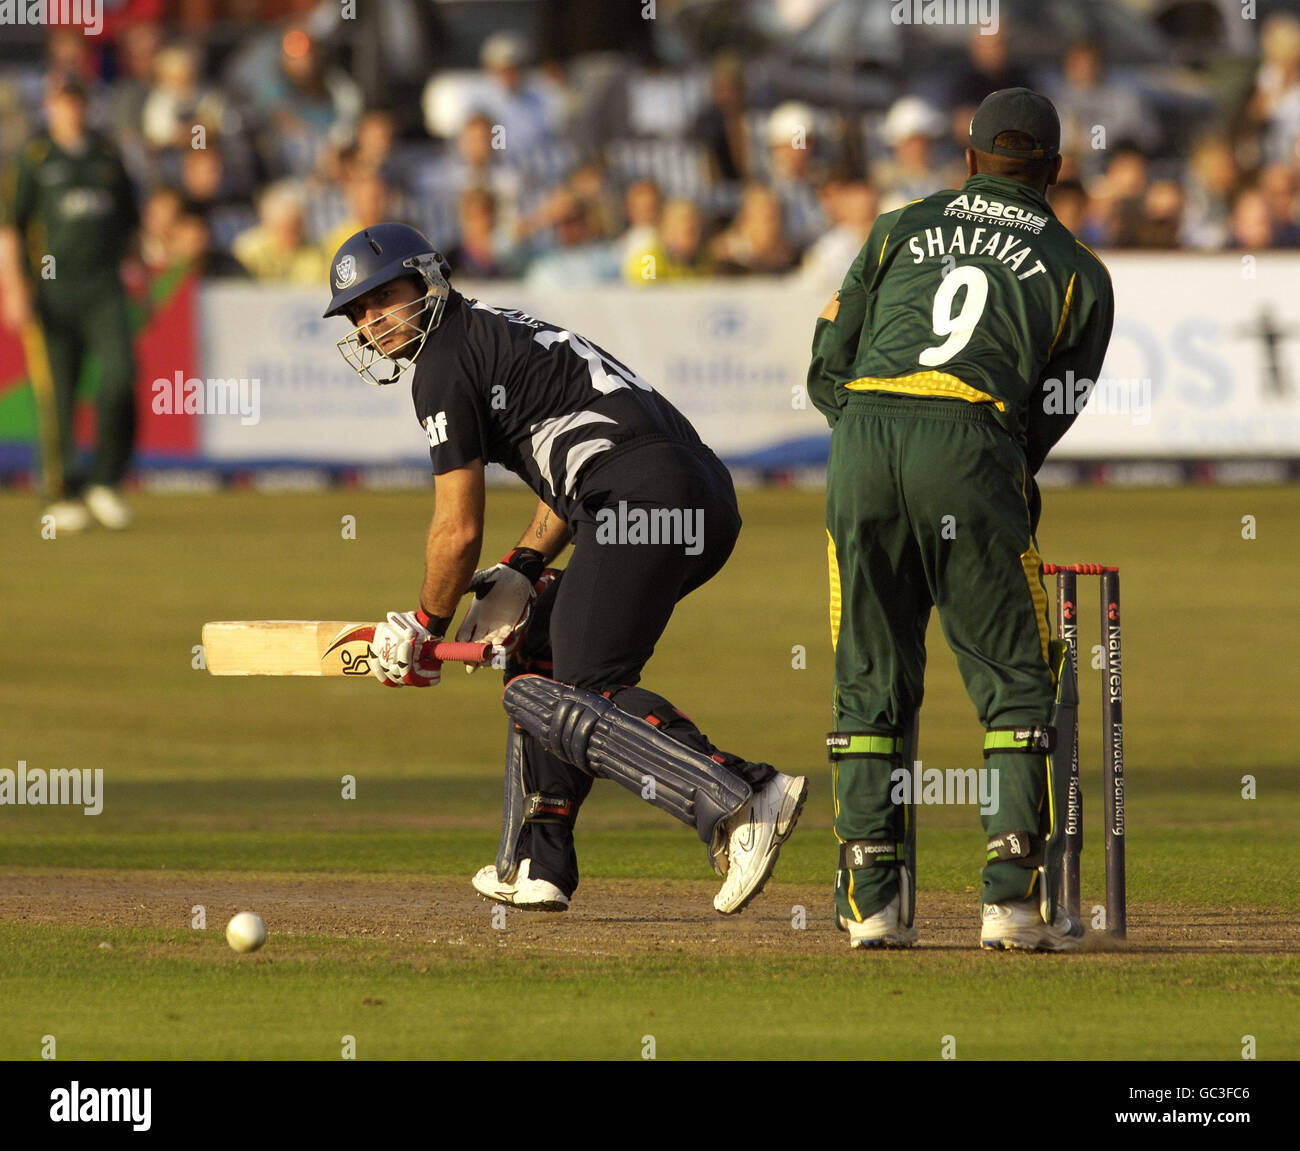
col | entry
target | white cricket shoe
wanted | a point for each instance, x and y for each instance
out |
(107, 507)
(522, 892)
(69, 516)
(1017, 926)
(754, 837)
(883, 929)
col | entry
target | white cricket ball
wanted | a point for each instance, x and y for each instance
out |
(246, 932)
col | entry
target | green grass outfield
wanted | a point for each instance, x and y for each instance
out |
(242, 779)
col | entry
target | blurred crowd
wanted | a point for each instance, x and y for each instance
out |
(261, 163)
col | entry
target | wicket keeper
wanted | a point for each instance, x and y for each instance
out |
(939, 365)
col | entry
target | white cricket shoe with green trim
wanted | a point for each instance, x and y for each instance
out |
(883, 929)
(1017, 926)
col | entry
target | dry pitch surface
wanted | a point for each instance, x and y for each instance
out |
(609, 917)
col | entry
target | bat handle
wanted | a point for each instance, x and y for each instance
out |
(464, 652)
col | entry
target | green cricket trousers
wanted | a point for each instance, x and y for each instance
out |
(90, 319)
(927, 505)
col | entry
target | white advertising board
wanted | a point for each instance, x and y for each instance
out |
(1204, 361)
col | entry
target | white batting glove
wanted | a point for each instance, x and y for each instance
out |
(399, 659)
(504, 595)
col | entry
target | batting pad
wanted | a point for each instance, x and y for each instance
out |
(596, 736)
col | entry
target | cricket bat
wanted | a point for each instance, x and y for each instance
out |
(308, 647)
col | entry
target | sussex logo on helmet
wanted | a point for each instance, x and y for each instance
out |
(345, 271)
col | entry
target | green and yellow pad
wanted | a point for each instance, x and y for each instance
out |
(873, 832)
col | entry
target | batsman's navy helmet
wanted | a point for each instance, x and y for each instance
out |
(376, 255)
(372, 258)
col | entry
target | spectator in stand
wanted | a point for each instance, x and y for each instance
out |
(276, 249)
(212, 194)
(682, 234)
(138, 54)
(1211, 177)
(162, 210)
(188, 244)
(1275, 103)
(1162, 217)
(371, 147)
(1087, 99)
(177, 101)
(578, 257)
(793, 175)
(376, 133)
(674, 252)
(1278, 184)
(642, 205)
(190, 248)
(1279, 51)
(369, 202)
(720, 126)
(531, 112)
(1071, 205)
(1120, 196)
(303, 105)
(475, 163)
(590, 183)
(988, 67)
(853, 206)
(755, 243)
(911, 126)
(481, 253)
(1251, 222)
(72, 53)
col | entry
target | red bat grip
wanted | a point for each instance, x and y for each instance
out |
(464, 652)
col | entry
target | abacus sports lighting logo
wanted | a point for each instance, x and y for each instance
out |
(88, 15)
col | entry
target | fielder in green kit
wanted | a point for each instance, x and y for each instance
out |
(948, 365)
(67, 215)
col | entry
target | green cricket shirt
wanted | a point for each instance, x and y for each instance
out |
(978, 294)
(78, 208)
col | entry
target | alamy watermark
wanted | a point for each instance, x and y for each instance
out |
(88, 15)
(69, 787)
(680, 527)
(979, 13)
(1105, 396)
(78, 1104)
(193, 397)
(956, 785)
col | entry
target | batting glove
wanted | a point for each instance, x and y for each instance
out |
(504, 595)
(400, 656)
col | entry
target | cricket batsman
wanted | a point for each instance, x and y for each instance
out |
(940, 365)
(601, 450)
